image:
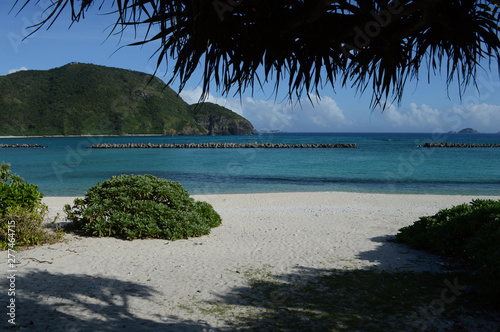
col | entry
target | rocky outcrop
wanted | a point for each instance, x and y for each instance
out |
(190, 131)
(219, 120)
(220, 125)
(21, 146)
(221, 146)
(458, 145)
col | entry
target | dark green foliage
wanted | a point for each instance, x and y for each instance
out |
(211, 109)
(468, 232)
(141, 206)
(81, 99)
(86, 99)
(15, 192)
(22, 213)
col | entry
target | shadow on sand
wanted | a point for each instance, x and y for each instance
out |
(69, 302)
(375, 299)
(308, 299)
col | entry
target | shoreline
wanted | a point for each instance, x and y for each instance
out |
(259, 133)
(66, 136)
(472, 196)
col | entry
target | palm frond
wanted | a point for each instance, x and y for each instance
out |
(371, 44)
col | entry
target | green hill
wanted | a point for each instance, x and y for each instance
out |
(218, 120)
(85, 99)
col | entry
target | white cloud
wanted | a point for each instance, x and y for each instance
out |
(483, 117)
(415, 118)
(323, 115)
(266, 114)
(16, 70)
(193, 96)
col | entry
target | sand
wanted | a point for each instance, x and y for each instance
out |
(86, 284)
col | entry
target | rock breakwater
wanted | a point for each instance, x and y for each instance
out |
(21, 146)
(458, 145)
(221, 146)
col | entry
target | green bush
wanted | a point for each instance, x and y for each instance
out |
(22, 213)
(141, 206)
(15, 192)
(467, 232)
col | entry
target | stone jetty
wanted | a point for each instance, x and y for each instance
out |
(21, 146)
(458, 145)
(221, 146)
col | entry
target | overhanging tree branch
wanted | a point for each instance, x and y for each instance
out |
(376, 44)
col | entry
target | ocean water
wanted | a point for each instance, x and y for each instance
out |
(382, 163)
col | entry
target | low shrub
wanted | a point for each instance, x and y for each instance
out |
(22, 213)
(29, 228)
(141, 206)
(468, 232)
(15, 192)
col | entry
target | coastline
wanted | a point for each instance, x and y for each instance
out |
(427, 204)
(153, 281)
(65, 136)
(271, 132)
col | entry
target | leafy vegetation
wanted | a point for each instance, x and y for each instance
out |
(211, 109)
(22, 213)
(141, 206)
(15, 192)
(467, 232)
(79, 99)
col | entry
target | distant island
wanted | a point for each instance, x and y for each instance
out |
(465, 131)
(86, 99)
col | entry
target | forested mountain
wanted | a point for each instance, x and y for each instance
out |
(85, 99)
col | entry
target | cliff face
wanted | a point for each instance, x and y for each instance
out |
(218, 120)
(220, 125)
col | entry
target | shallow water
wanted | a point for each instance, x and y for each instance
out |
(385, 163)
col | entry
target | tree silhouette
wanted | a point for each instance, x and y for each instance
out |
(377, 44)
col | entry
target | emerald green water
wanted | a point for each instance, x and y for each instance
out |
(383, 163)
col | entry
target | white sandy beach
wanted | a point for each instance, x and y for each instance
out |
(107, 284)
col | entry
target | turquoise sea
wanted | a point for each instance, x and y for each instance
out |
(382, 163)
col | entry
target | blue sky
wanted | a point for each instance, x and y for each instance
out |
(425, 107)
